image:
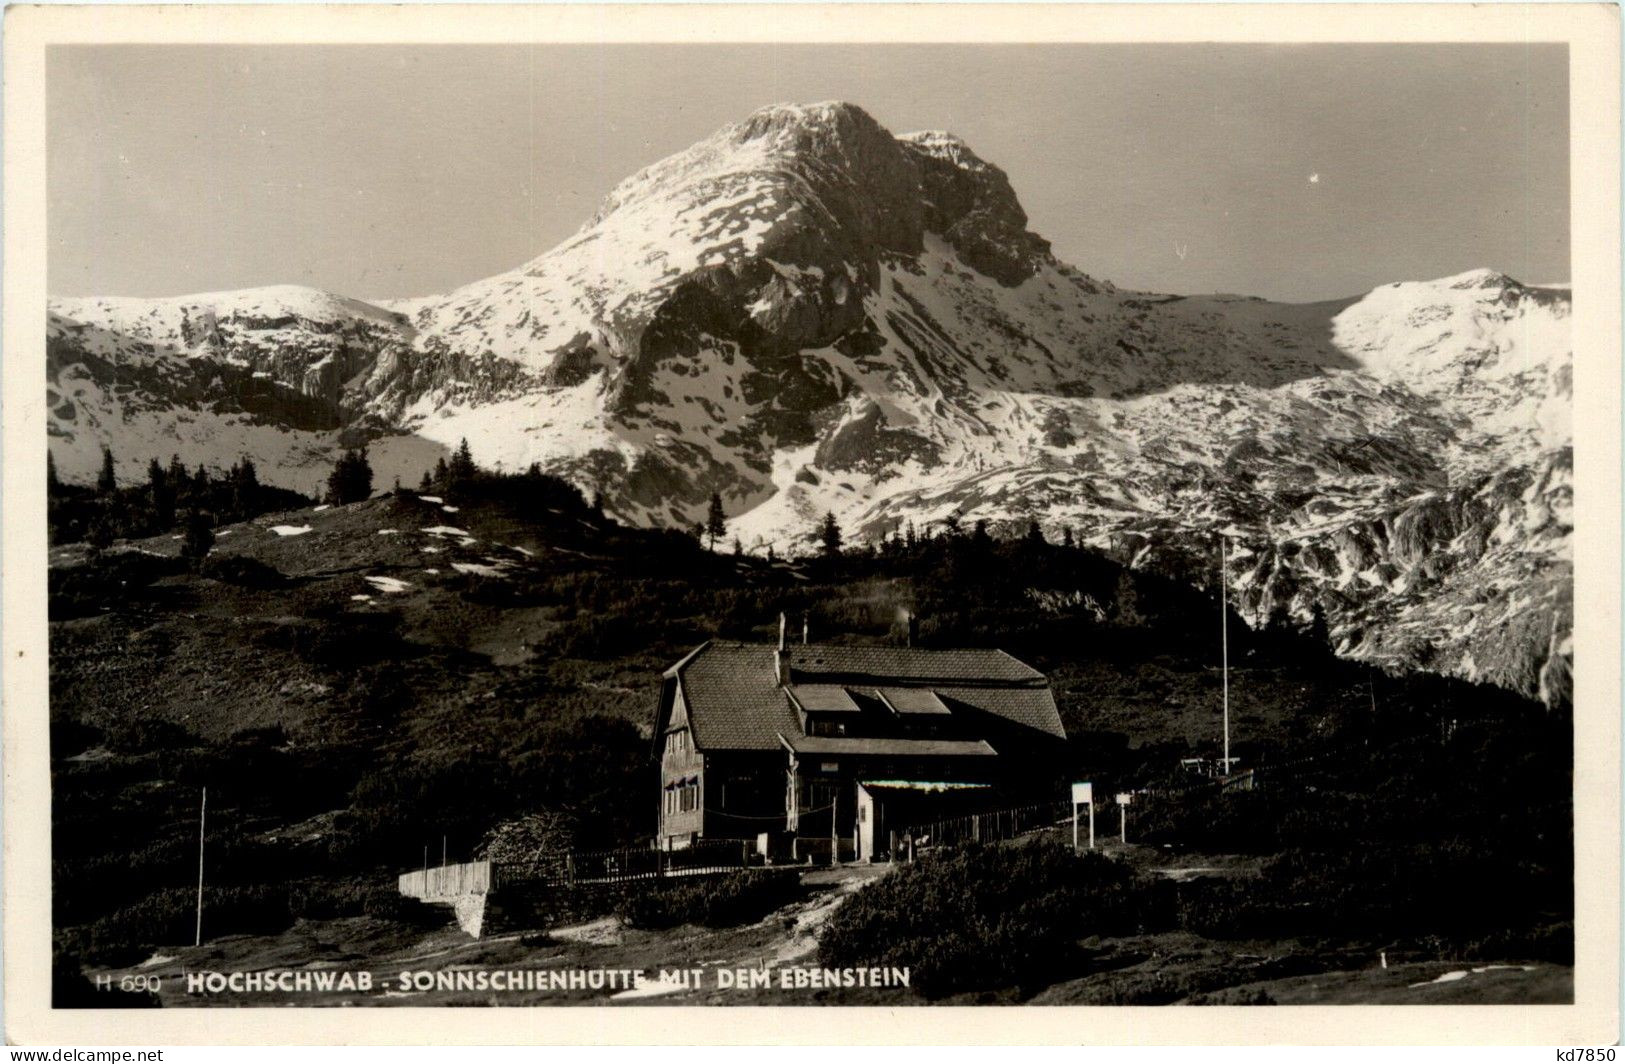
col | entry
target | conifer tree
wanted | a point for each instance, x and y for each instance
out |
(106, 480)
(829, 536)
(462, 466)
(351, 478)
(163, 495)
(51, 482)
(716, 522)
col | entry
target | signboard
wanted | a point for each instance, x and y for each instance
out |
(1125, 797)
(1083, 794)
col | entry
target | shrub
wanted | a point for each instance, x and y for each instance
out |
(243, 571)
(983, 917)
(198, 539)
(711, 901)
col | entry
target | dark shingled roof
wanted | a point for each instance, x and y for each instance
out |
(735, 703)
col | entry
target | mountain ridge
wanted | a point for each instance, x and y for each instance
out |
(805, 314)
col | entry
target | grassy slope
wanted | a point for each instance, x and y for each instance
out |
(470, 697)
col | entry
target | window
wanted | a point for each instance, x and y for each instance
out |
(677, 742)
(682, 796)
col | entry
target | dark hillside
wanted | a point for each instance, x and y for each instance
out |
(354, 682)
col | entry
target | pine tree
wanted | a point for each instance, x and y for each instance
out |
(424, 484)
(177, 475)
(107, 481)
(829, 536)
(1035, 535)
(163, 495)
(1320, 632)
(247, 475)
(51, 483)
(1066, 536)
(442, 473)
(739, 548)
(351, 478)
(771, 557)
(598, 500)
(462, 466)
(979, 534)
(716, 522)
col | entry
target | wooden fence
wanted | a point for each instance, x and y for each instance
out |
(449, 882)
(993, 826)
(626, 865)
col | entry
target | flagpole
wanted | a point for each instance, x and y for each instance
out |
(202, 814)
(1224, 643)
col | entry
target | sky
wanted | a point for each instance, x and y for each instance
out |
(1295, 172)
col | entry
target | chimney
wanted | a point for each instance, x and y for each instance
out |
(781, 658)
(806, 623)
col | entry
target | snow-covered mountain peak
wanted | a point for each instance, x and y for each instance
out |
(1482, 277)
(947, 146)
(807, 314)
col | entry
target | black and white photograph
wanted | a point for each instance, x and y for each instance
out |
(891, 524)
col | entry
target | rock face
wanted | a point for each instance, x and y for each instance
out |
(805, 313)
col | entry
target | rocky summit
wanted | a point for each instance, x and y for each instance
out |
(806, 313)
